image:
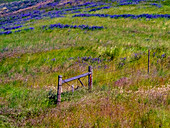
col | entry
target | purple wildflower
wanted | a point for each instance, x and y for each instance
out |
(53, 59)
(163, 55)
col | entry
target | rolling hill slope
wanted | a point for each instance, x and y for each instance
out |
(125, 41)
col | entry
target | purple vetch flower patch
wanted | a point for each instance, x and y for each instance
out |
(84, 27)
(148, 16)
(10, 32)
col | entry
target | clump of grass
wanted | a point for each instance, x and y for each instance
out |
(113, 107)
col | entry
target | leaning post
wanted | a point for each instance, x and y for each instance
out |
(59, 89)
(90, 78)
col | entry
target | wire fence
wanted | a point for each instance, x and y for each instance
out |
(112, 71)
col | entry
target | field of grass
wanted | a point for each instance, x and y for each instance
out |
(124, 94)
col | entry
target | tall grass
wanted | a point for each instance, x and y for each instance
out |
(124, 94)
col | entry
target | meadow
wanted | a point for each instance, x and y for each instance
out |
(111, 36)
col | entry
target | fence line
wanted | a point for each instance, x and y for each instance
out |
(145, 68)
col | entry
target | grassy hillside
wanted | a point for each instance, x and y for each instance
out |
(47, 44)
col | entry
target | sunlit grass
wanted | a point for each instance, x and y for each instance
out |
(124, 95)
(116, 32)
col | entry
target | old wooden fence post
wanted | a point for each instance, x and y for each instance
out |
(148, 60)
(59, 89)
(90, 78)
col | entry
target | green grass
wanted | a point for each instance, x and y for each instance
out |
(123, 96)
(19, 103)
(5, 1)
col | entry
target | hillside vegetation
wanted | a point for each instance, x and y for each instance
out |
(64, 38)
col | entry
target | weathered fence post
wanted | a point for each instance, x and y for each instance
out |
(90, 78)
(148, 60)
(59, 89)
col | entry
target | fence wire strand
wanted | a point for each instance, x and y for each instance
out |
(129, 67)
